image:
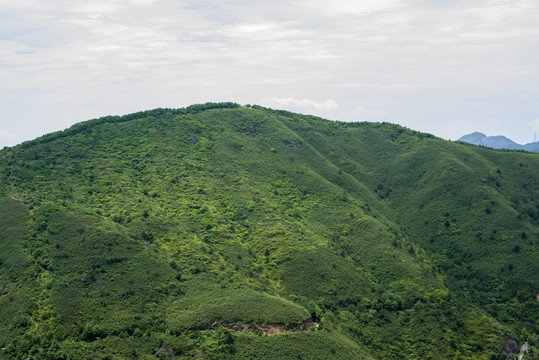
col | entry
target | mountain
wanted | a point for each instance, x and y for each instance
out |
(476, 138)
(534, 146)
(498, 142)
(221, 231)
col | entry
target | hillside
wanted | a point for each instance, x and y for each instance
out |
(221, 231)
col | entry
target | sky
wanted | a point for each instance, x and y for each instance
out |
(446, 67)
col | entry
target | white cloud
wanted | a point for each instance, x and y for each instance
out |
(349, 6)
(365, 111)
(303, 105)
(58, 6)
(422, 62)
(7, 134)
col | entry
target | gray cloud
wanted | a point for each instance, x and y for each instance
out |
(324, 108)
(7, 134)
(445, 67)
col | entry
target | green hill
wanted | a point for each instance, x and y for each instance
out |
(221, 231)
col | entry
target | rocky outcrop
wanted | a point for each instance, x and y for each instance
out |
(265, 329)
(166, 352)
(510, 349)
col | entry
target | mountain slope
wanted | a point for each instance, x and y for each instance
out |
(190, 232)
(476, 138)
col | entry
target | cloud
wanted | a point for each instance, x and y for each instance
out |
(381, 60)
(303, 105)
(58, 6)
(349, 6)
(7, 134)
(365, 111)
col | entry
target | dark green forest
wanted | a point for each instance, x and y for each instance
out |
(221, 231)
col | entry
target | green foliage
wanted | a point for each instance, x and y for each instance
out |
(206, 303)
(169, 231)
(16, 282)
(316, 345)
(322, 275)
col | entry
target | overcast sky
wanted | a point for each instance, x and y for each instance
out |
(445, 67)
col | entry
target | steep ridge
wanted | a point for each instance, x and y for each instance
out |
(152, 234)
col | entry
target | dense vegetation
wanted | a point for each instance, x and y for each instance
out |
(224, 231)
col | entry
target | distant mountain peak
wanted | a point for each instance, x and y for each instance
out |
(475, 138)
(477, 134)
(497, 142)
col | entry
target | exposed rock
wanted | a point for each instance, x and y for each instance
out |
(308, 323)
(239, 327)
(166, 352)
(210, 138)
(266, 329)
(2, 292)
(17, 197)
(193, 139)
(523, 350)
(510, 349)
(296, 145)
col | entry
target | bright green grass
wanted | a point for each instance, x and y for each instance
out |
(206, 303)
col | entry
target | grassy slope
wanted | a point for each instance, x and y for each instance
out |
(399, 244)
(442, 193)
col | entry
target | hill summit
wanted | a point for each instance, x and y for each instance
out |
(221, 231)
